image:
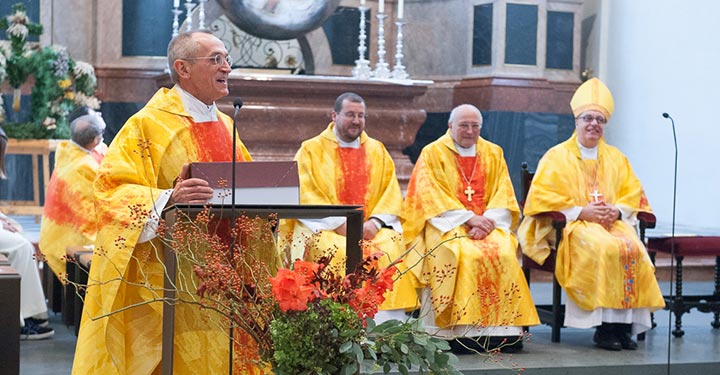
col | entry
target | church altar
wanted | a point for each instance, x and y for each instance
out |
(281, 111)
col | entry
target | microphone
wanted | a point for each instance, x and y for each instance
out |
(237, 103)
(672, 230)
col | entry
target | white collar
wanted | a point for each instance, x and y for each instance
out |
(590, 153)
(353, 144)
(199, 111)
(465, 151)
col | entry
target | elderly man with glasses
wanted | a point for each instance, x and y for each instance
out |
(601, 263)
(144, 170)
(459, 215)
(343, 165)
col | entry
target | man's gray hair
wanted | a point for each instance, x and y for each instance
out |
(84, 130)
(455, 112)
(180, 47)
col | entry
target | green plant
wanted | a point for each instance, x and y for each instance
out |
(407, 346)
(61, 83)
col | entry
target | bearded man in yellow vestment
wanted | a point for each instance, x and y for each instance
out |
(458, 214)
(601, 263)
(68, 214)
(121, 326)
(343, 165)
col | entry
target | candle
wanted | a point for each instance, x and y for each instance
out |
(176, 4)
(401, 8)
(362, 2)
(381, 6)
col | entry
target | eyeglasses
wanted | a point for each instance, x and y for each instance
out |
(589, 118)
(214, 60)
(466, 127)
(353, 115)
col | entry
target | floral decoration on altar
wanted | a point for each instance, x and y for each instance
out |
(60, 83)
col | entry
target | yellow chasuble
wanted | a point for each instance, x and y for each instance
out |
(364, 176)
(69, 211)
(596, 266)
(472, 282)
(121, 330)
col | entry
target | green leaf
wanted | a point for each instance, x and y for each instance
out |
(346, 346)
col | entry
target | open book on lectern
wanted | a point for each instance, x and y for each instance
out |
(256, 182)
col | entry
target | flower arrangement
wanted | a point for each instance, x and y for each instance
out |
(61, 83)
(303, 316)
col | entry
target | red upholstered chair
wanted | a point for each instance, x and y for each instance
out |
(689, 246)
(554, 314)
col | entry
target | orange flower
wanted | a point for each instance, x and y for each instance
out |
(290, 290)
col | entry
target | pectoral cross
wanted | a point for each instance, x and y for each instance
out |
(596, 195)
(469, 192)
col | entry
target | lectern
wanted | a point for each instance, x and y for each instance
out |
(173, 214)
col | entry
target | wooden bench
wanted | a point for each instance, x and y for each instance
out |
(78, 268)
(10, 316)
(689, 246)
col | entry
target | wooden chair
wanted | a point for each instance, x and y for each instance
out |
(554, 314)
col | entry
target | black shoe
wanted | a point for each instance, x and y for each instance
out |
(624, 335)
(37, 322)
(605, 338)
(33, 331)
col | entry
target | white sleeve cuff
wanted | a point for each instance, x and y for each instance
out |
(450, 220)
(572, 213)
(501, 217)
(151, 225)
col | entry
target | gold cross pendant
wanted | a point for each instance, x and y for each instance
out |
(596, 195)
(469, 192)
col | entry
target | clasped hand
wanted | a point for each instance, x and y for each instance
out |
(600, 212)
(478, 227)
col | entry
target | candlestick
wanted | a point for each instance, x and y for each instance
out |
(362, 66)
(201, 14)
(381, 67)
(188, 15)
(176, 24)
(401, 9)
(381, 6)
(399, 69)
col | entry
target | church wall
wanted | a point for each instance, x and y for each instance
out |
(662, 57)
(438, 43)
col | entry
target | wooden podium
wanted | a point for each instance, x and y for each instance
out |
(173, 214)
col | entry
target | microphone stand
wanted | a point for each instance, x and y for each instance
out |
(672, 237)
(236, 134)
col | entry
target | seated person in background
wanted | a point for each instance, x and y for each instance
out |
(68, 214)
(20, 252)
(458, 214)
(344, 166)
(601, 263)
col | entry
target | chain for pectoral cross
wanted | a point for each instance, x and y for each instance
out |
(469, 192)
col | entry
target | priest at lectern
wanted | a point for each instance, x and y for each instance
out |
(142, 173)
(343, 165)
